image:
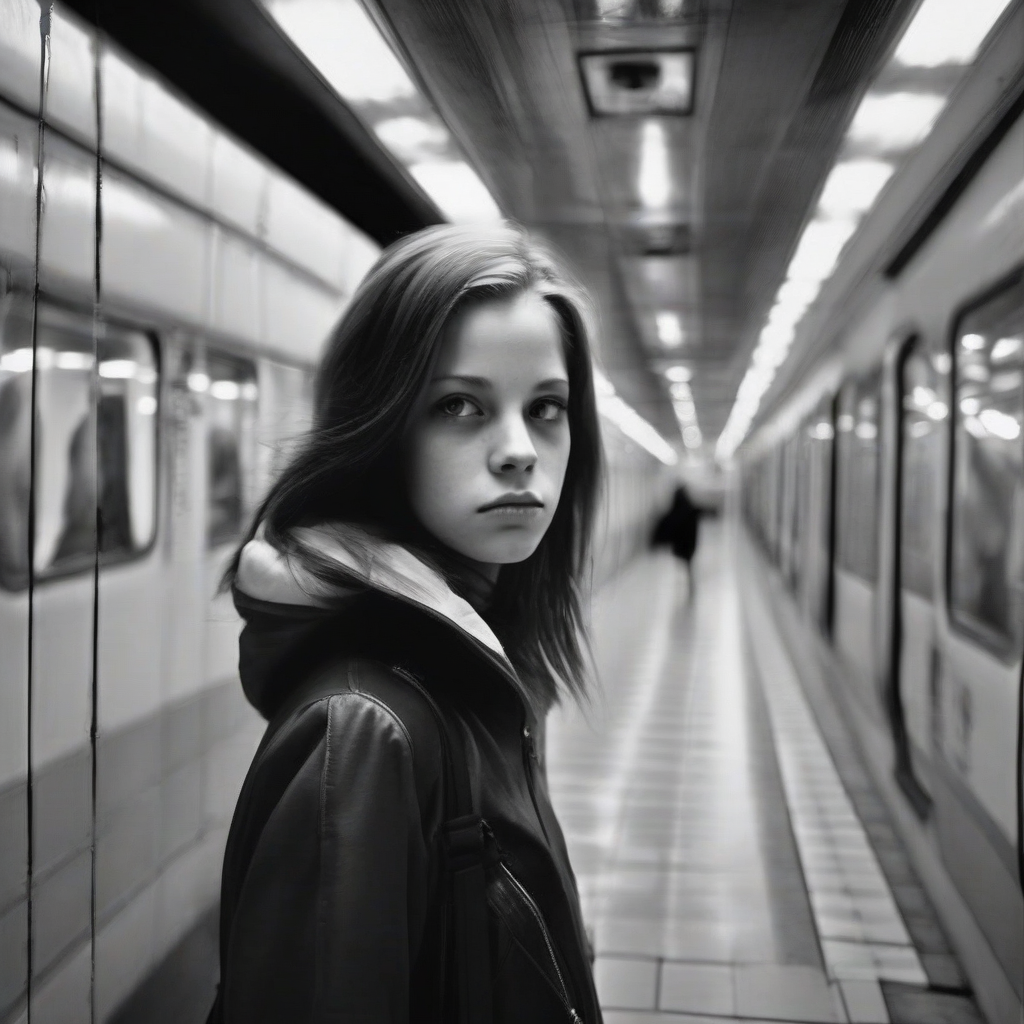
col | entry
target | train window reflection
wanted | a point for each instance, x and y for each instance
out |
(231, 441)
(987, 523)
(921, 417)
(95, 442)
(857, 454)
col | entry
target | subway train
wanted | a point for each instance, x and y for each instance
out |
(164, 292)
(884, 492)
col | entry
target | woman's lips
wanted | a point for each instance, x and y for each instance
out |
(515, 504)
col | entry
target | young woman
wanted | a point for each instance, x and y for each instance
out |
(416, 570)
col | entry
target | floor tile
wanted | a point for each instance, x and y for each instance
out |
(791, 993)
(864, 1002)
(697, 988)
(908, 1004)
(628, 984)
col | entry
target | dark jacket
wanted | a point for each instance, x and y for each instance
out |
(334, 902)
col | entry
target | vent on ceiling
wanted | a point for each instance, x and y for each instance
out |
(659, 239)
(633, 12)
(634, 82)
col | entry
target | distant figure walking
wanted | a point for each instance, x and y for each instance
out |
(678, 528)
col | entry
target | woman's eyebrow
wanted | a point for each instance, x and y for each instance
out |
(552, 382)
(477, 382)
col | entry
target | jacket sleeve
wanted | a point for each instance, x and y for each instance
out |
(334, 904)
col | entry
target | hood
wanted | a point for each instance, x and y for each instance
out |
(284, 602)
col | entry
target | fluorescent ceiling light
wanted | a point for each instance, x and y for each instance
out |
(853, 186)
(818, 250)
(630, 422)
(414, 139)
(343, 44)
(797, 293)
(654, 183)
(457, 190)
(890, 121)
(678, 373)
(670, 330)
(947, 32)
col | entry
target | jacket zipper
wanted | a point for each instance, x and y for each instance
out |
(538, 917)
(531, 755)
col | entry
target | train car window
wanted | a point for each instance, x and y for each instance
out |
(922, 417)
(231, 441)
(986, 588)
(15, 439)
(857, 429)
(95, 441)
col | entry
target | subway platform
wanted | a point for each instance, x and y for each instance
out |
(732, 865)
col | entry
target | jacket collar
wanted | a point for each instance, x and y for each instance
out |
(283, 577)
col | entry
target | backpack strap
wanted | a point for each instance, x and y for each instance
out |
(463, 835)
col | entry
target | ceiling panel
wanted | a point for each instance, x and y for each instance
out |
(774, 84)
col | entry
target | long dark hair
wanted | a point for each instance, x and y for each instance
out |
(377, 361)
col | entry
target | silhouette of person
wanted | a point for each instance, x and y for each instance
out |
(678, 528)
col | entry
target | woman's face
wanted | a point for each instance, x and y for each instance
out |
(488, 441)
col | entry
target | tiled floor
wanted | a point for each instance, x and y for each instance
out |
(723, 872)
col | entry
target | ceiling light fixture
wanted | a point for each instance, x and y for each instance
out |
(894, 121)
(852, 187)
(457, 190)
(947, 32)
(630, 422)
(819, 247)
(670, 330)
(345, 46)
(654, 183)
(678, 372)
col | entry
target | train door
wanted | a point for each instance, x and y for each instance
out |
(911, 685)
(18, 142)
(66, 488)
(817, 517)
(856, 562)
(980, 703)
(788, 503)
(137, 812)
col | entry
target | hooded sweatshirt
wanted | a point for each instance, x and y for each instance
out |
(334, 903)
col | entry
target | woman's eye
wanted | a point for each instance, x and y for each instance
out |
(548, 409)
(458, 407)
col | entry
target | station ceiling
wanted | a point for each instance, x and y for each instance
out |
(775, 83)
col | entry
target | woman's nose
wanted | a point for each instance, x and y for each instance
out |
(513, 451)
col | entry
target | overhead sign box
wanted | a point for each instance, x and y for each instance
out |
(638, 82)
